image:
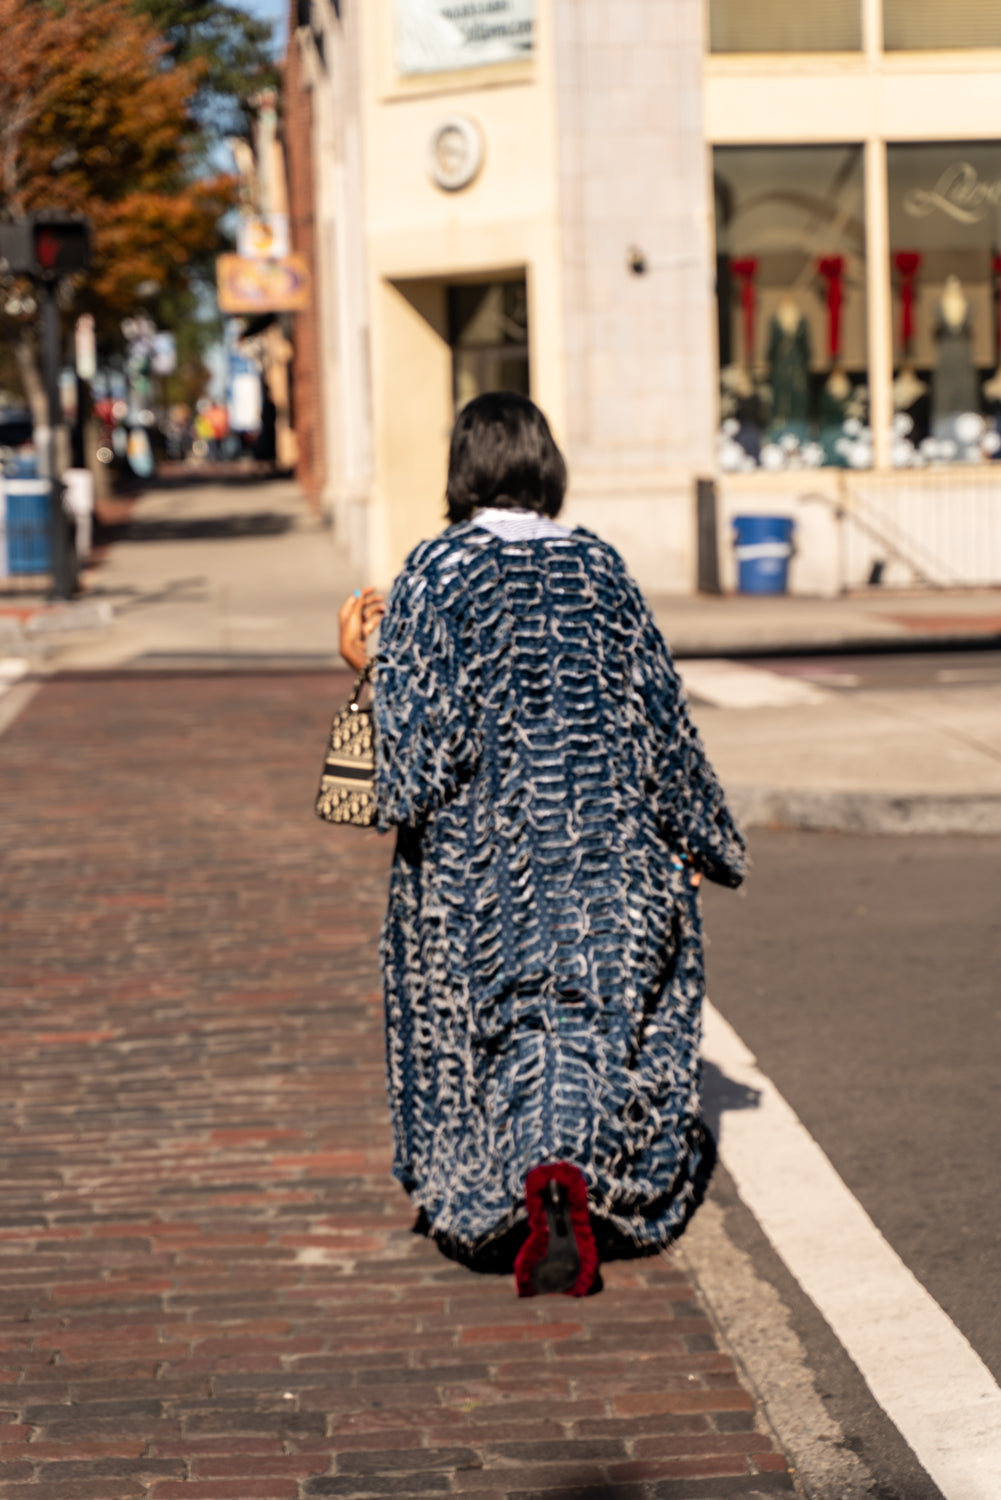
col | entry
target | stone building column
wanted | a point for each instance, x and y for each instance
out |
(634, 179)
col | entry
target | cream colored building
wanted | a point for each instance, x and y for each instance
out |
(680, 225)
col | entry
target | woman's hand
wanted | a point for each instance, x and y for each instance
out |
(680, 862)
(359, 615)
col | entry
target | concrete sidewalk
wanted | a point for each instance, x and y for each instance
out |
(232, 575)
(920, 761)
(227, 570)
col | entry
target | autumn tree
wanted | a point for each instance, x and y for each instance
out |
(96, 118)
(230, 47)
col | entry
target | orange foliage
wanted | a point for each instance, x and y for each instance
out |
(93, 120)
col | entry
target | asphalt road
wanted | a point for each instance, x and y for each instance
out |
(864, 974)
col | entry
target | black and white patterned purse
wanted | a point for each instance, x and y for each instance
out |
(347, 782)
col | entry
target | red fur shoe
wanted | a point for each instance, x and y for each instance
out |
(560, 1254)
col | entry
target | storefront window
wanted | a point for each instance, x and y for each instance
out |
(488, 331)
(929, 25)
(945, 233)
(784, 26)
(790, 240)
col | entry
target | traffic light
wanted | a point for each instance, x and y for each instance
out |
(46, 245)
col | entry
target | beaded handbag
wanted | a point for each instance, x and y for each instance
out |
(347, 781)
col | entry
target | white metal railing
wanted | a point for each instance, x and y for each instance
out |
(939, 529)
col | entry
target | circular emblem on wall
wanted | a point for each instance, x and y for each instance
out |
(455, 153)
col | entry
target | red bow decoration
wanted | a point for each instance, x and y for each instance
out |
(996, 268)
(831, 267)
(907, 263)
(746, 270)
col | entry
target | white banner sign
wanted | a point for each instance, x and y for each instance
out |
(163, 359)
(263, 237)
(86, 347)
(245, 403)
(440, 36)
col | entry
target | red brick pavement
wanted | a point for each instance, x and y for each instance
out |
(209, 1289)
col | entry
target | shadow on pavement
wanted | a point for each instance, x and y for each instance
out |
(197, 528)
(173, 591)
(236, 475)
(720, 1094)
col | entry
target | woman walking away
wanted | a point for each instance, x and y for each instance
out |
(555, 811)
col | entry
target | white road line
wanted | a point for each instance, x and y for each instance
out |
(923, 1372)
(833, 679)
(15, 694)
(730, 684)
(12, 668)
(969, 674)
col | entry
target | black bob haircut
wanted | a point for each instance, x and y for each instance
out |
(503, 456)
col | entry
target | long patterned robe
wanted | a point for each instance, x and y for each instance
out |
(542, 952)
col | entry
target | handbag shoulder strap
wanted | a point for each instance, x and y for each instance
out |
(364, 676)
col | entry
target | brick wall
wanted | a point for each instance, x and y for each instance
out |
(306, 367)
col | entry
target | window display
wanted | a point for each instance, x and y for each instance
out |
(790, 241)
(488, 331)
(930, 26)
(784, 26)
(945, 225)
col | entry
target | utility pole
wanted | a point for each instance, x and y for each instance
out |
(64, 570)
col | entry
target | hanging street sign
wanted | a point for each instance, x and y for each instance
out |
(261, 286)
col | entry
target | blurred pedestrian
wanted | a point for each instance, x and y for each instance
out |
(217, 418)
(177, 431)
(201, 446)
(555, 811)
(265, 445)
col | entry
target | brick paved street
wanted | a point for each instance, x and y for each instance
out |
(209, 1287)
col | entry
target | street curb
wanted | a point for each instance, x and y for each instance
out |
(829, 645)
(16, 699)
(754, 1325)
(35, 635)
(86, 617)
(863, 812)
(76, 616)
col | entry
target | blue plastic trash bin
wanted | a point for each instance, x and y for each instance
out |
(764, 546)
(29, 539)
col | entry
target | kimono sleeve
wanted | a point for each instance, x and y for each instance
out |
(686, 793)
(427, 734)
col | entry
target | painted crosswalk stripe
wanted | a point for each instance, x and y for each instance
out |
(15, 692)
(920, 1368)
(969, 674)
(12, 669)
(731, 684)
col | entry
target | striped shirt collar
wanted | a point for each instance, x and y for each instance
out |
(518, 525)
